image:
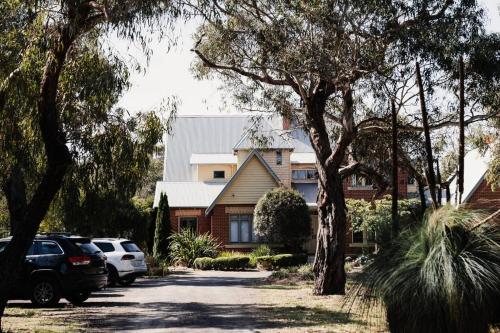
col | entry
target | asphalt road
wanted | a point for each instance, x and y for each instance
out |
(186, 301)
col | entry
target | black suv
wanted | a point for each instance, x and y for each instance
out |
(60, 266)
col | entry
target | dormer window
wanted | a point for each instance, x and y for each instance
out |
(219, 174)
(279, 157)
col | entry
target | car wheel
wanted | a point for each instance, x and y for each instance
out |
(45, 292)
(112, 275)
(78, 298)
(127, 281)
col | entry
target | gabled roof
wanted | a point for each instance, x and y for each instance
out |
(273, 137)
(475, 167)
(188, 194)
(240, 170)
(213, 159)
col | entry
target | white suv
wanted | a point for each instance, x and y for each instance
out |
(125, 261)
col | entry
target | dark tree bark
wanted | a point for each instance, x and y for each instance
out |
(438, 178)
(431, 177)
(395, 187)
(58, 160)
(461, 142)
(329, 261)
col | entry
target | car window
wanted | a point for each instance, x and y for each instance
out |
(105, 247)
(47, 247)
(86, 246)
(3, 245)
(31, 250)
(130, 247)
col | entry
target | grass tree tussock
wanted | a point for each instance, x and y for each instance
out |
(443, 276)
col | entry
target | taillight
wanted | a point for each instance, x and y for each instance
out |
(79, 260)
(128, 257)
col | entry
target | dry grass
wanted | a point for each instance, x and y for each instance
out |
(301, 311)
(19, 319)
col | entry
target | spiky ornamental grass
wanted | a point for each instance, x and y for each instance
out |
(186, 246)
(443, 276)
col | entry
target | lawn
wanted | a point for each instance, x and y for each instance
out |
(295, 306)
(21, 319)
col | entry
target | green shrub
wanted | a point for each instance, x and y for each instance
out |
(282, 216)
(260, 251)
(222, 263)
(186, 246)
(281, 261)
(156, 267)
(443, 276)
(294, 274)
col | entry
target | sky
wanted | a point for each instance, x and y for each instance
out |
(168, 74)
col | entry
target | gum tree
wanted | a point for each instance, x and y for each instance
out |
(307, 60)
(40, 38)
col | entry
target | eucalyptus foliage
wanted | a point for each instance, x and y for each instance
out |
(281, 215)
(375, 216)
(443, 276)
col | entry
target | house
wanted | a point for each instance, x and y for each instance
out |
(477, 194)
(214, 174)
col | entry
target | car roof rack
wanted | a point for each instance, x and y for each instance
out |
(67, 234)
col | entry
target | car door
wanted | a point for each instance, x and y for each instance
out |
(48, 254)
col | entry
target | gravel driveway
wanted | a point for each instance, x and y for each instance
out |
(186, 301)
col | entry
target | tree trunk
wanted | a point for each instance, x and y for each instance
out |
(438, 178)
(395, 187)
(431, 177)
(461, 144)
(58, 160)
(421, 194)
(329, 271)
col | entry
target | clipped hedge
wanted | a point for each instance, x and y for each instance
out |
(281, 261)
(222, 263)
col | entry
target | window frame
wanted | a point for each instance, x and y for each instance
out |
(252, 237)
(279, 157)
(223, 174)
(179, 227)
(367, 184)
(306, 173)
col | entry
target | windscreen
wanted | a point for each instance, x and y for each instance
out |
(130, 247)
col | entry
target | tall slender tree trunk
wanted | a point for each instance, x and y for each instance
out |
(58, 160)
(431, 177)
(395, 187)
(439, 181)
(461, 144)
(329, 261)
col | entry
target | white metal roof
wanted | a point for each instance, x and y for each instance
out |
(475, 167)
(213, 159)
(188, 194)
(301, 158)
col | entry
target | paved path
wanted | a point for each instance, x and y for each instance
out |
(186, 301)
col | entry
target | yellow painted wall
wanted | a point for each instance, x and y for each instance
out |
(283, 171)
(250, 185)
(206, 171)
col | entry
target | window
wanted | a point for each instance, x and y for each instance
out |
(219, 174)
(360, 181)
(279, 157)
(105, 247)
(309, 174)
(188, 223)
(357, 237)
(3, 245)
(45, 247)
(130, 247)
(86, 246)
(241, 229)
(411, 180)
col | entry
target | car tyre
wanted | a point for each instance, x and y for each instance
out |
(45, 292)
(113, 277)
(126, 282)
(78, 298)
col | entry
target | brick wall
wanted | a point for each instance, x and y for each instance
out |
(367, 193)
(484, 198)
(199, 213)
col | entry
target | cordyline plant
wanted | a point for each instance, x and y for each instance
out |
(306, 60)
(443, 276)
